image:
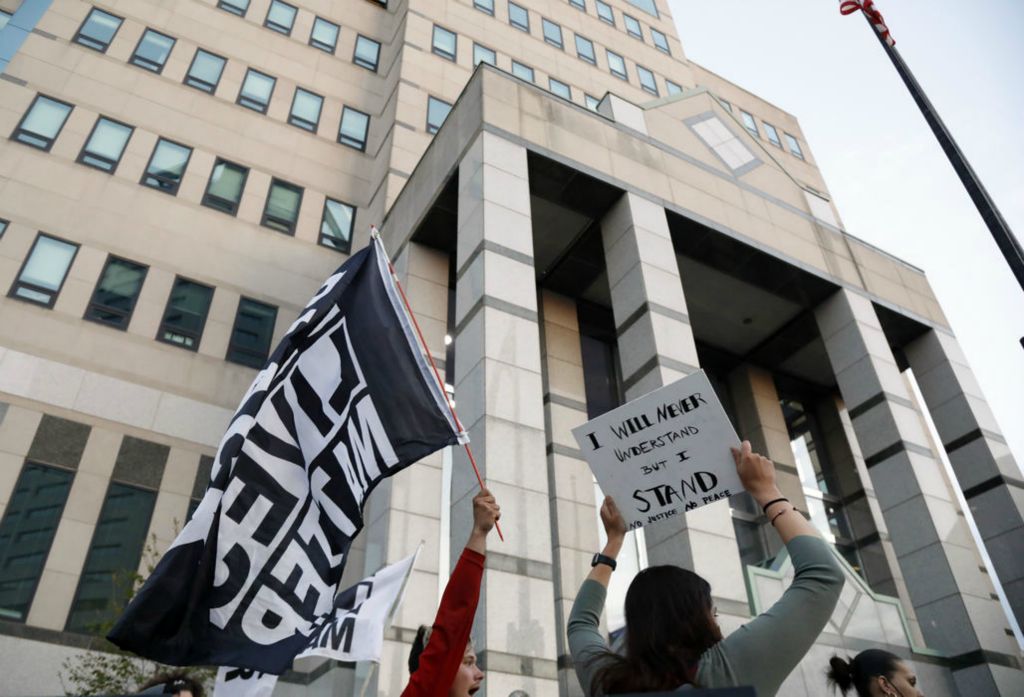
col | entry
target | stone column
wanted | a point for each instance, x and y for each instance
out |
(499, 390)
(656, 347)
(985, 469)
(954, 600)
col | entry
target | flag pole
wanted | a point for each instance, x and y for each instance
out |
(997, 225)
(375, 235)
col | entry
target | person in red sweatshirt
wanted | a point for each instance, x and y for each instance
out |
(442, 662)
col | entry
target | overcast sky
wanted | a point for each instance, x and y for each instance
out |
(891, 182)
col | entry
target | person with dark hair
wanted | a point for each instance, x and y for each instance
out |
(442, 662)
(178, 683)
(873, 673)
(672, 639)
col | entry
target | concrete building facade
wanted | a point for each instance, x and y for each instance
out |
(579, 214)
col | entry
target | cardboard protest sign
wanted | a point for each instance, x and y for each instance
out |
(664, 453)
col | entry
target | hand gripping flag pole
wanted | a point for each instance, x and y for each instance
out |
(376, 238)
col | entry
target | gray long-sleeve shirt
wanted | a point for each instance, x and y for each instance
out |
(760, 653)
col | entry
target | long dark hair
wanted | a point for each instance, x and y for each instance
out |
(857, 672)
(669, 624)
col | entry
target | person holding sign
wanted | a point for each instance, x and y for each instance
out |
(672, 638)
(443, 661)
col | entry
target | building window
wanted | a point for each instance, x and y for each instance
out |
(282, 209)
(113, 557)
(235, 7)
(336, 225)
(749, 123)
(604, 12)
(355, 125)
(115, 295)
(647, 6)
(437, 112)
(98, 30)
(106, 143)
(167, 166)
(484, 6)
(257, 89)
(518, 17)
(367, 53)
(252, 333)
(185, 315)
(42, 122)
(306, 108)
(444, 43)
(153, 50)
(552, 32)
(660, 41)
(672, 88)
(482, 54)
(280, 17)
(633, 27)
(794, 146)
(3, 226)
(324, 35)
(579, 4)
(26, 534)
(616, 65)
(773, 135)
(723, 142)
(585, 49)
(647, 81)
(523, 72)
(560, 88)
(726, 105)
(591, 102)
(205, 71)
(43, 273)
(224, 190)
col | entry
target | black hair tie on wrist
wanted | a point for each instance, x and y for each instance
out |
(764, 508)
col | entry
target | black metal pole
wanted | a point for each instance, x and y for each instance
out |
(1008, 244)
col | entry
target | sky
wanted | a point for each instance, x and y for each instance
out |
(891, 182)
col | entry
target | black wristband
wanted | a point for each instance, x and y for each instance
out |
(764, 508)
(603, 559)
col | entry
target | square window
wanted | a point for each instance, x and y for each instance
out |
(552, 32)
(235, 7)
(484, 6)
(205, 71)
(672, 88)
(591, 102)
(116, 293)
(98, 30)
(604, 12)
(647, 6)
(153, 50)
(257, 89)
(482, 54)
(794, 146)
(749, 123)
(336, 225)
(306, 108)
(224, 190)
(579, 4)
(252, 333)
(354, 128)
(647, 81)
(585, 49)
(444, 43)
(282, 209)
(280, 17)
(324, 35)
(523, 72)
(633, 27)
(43, 273)
(367, 53)
(42, 122)
(185, 315)
(560, 88)
(106, 144)
(437, 112)
(518, 17)
(616, 65)
(773, 135)
(660, 41)
(166, 166)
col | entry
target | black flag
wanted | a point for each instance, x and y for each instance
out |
(346, 399)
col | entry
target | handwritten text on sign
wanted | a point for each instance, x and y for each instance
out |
(664, 453)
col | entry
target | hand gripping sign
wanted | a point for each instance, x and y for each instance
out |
(664, 453)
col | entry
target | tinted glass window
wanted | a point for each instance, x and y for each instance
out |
(98, 29)
(106, 144)
(306, 108)
(282, 209)
(482, 54)
(43, 273)
(647, 6)
(224, 190)
(280, 17)
(167, 166)
(773, 135)
(616, 65)
(485, 6)
(354, 127)
(633, 27)
(437, 112)
(252, 333)
(256, 90)
(205, 71)
(794, 146)
(153, 50)
(115, 295)
(647, 80)
(523, 72)
(604, 11)
(518, 17)
(336, 225)
(42, 122)
(324, 35)
(552, 32)
(749, 123)
(185, 314)
(237, 7)
(560, 88)
(673, 88)
(660, 40)
(585, 49)
(367, 53)
(444, 42)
